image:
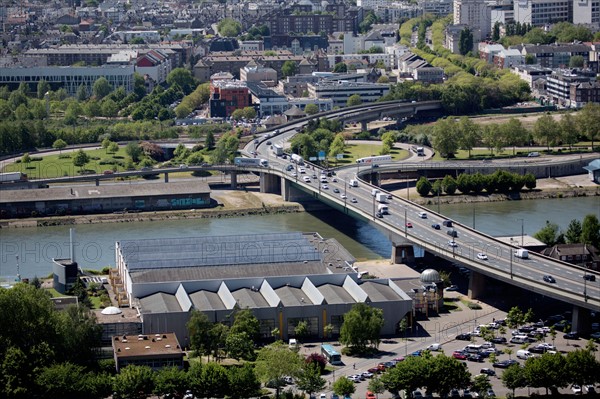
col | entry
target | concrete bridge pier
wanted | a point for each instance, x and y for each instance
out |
(269, 183)
(364, 126)
(166, 177)
(291, 193)
(402, 252)
(233, 180)
(374, 177)
(476, 285)
(581, 319)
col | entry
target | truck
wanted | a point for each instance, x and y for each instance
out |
(298, 159)
(522, 253)
(381, 197)
(383, 209)
(277, 150)
(12, 177)
(353, 183)
(251, 162)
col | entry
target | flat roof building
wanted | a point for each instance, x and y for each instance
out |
(155, 351)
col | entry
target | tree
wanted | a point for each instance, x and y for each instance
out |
(226, 148)
(61, 380)
(239, 345)
(81, 159)
(289, 68)
(105, 143)
(446, 137)
(514, 378)
(101, 88)
(583, 367)
(590, 230)
(423, 186)
(199, 327)
(317, 359)
(408, 375)
(134, 382)
(573, 233)
(361, 327)
(182, 78)
(587, 120)
(576, 61)
(569, 130)
(276, 361)
(337, 145)
(547, 130)
(43, 87)
(469, 134)
(376, 386)
(301, 331)
(445, 374)
(170, 381)
(449, 185)
(134, 151)
(311, 109)
(229, 28)
(82, 93)
(26, 159)
(547, 371)
(181, 152)
(530, 181)
(481, 384)
(340, 67)
(214, 380)
(548, 234)
(354, 100)
(310, 379)
(343, 387)
(465, 41)
(243, 382)
(113, 148)
(209, 142)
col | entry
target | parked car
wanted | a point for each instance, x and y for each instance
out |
(473, 357)
(571, 335)
(453, 287)
(459, 355)
(487, 371)
(576, 389)
(499, 340)
(464, 337)
(367, 374)
(504, 364)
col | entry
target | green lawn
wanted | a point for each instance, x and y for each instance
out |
(354, 151)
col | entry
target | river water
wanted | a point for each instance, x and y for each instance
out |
(94, 248)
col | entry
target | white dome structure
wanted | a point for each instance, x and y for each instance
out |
(430, 276)
(111, 310)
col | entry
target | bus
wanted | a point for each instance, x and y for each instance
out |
(331, 354)
(374, 160)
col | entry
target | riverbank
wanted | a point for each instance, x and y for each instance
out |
(236, 203)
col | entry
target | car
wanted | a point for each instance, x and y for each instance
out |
(454, 393)
(504, 364)
(589, 277)
(302, 170)
(108, 172)
(343, 196)
(288, 380)
(398, 359)
(336, 190)
(590, 389)
(571, 335)
(464, 337)
(417, 394)
(452, 244)
(498, 340)
(459, 355)
(325, 187)
(453, 287)
(490, 393)
(487, 371)
(379, 215)
(416, 353)
(370, 395)
(353, 200)
(334, 180)
(183, 166)
(468, 394)
(436, 226)
(482, 256)
(374, 370)
(423, 215)
(533, 154)
(576, 389)
(269, 142)
(595, 335)
(354, 378)
(549, 279)
(367, 374)
(409, 225)
(474, 357)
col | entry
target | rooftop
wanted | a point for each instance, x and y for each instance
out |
(146, 345)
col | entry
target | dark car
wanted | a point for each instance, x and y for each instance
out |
(504, 364)
(549, 279)
(464, 337)
(571, 335)
(447, 223)
(589, 277)
(473, 357)
(498, 340)
(538, 349)
(436, 226)
(379, 215)
(335, 190)
(487, 371)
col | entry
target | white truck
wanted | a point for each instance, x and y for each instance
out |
(383, 209)
(277, 149)
(522, 253)
(353, 183)
(381, 197)
(11, 177)
(251, 162)
(298, 159)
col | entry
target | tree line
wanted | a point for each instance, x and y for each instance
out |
(500, 181)
(586, 232)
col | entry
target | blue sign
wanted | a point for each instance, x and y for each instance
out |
(321, 155)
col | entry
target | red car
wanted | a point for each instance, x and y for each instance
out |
(459, 355)
(409, 225)
(373, 370)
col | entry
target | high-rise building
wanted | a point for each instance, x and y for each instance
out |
(474, 13)
(542, 12)
(586, 12)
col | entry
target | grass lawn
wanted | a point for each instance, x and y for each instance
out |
(54, 293)
(355, 151)
(451, 306)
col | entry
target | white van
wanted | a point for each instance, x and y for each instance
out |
(519, 339)
(374, 192)
(523, 354)
(473, 348)
(353, 183)
(435, 347)
(293, 343)
(423, 215)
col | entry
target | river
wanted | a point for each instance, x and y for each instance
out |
(94, 249)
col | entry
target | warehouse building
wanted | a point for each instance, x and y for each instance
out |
(107, 198)
(284, 278)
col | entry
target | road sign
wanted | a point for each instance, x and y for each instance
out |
(339, 156)
(312, 158)
(321, 155)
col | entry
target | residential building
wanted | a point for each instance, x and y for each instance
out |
(507, 58)
(452, 38)
(585, 255)
(555, 55)
(394, 12)
(587, 12)
(296, 44)
(573, 88)
(340, 91)
(543, 12)
(502, 11)
(370, 59)
(302, 18)
(252, 45)
(476, 14)
(531, 73)
(226, 96)
(155, 64)
(266, 100)
(155, 351)
(429, 75)
(487, 51)
(436, 7)
(255, 72)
